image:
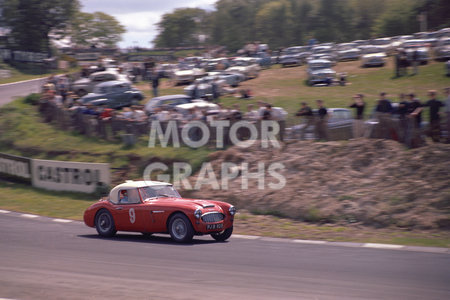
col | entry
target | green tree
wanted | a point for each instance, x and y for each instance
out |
(99, 29)
(31, 21)
(398, 18)
(274, 24)
(181, 28)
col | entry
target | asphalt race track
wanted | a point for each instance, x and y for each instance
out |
(43, 258)
(11, 91)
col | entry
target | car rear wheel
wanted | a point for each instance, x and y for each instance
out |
(80, 93)
(104, 223)
(180, 228)
(223, 235)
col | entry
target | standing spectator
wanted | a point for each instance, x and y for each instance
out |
(358, 123)
(251, 114)
(321, 122)
(447, 111)
(154, 78)
(434, 104)
(397, 63)
(62, 87)
(306, 112)
(415, 61)
(383, 112)
(402, 110)
(414, 113)
(215, 86)
(267, 113)
(403, 63)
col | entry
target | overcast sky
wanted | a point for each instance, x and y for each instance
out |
(140, 16)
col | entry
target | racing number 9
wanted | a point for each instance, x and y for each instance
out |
(132, 214)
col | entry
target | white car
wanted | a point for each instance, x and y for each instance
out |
(245, 65)
(84, 86)
(185, 74)
(373, 57)
(442, 49)
(348, 51)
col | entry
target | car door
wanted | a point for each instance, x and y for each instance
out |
(132, 215)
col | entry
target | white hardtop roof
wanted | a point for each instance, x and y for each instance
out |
(130, 184)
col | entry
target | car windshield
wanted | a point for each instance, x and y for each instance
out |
(370, 50)
(290, 51)
(413, 44)
(158, 191)
(381, 42)
(319, 65)
(100, 90)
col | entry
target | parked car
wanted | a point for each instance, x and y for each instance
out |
(86, 85)
(348, 51)
(156, 207)
(291, 56)
(245, 65)
(373, 56)
(323, 51)
(205, 87)
(203, 105)
(418, 46)
(442, 49)
(319, 71)
(231, 78)
(113, 94)
(340, 124)
(168, 100)
(386, 44)
(187, 74)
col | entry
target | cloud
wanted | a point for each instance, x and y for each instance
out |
(140, 16)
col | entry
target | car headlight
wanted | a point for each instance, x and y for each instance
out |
(198, 213)
(232, 210)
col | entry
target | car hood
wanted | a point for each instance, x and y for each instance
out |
(371, 55)
(194, 204)
(418, 50)
(92, 96)
(325, 71)
(290, 56)
(184, 72)
(82, 81)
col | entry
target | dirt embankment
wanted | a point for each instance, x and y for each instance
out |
(371, 182)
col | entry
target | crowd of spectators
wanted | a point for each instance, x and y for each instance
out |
(400, 120)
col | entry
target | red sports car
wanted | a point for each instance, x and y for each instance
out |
(156, 207)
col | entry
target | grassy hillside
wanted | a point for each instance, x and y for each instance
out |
(286, 87)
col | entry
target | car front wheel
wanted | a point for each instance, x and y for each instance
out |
(223, 235)
(180, 228)
(104, 223)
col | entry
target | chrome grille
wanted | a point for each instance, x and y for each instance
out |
(212, 217)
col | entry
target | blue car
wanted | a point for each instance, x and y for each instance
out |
(113, 94)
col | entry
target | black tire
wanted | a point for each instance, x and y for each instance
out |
(135, 101)
(180, 228)
(104, 223)
(223, 235)
(80, 93)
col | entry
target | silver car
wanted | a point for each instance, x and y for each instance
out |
(84, 86)
(319, 71)
(442, 50)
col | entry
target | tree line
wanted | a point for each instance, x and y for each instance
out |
(283, 23)
(33, 23)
